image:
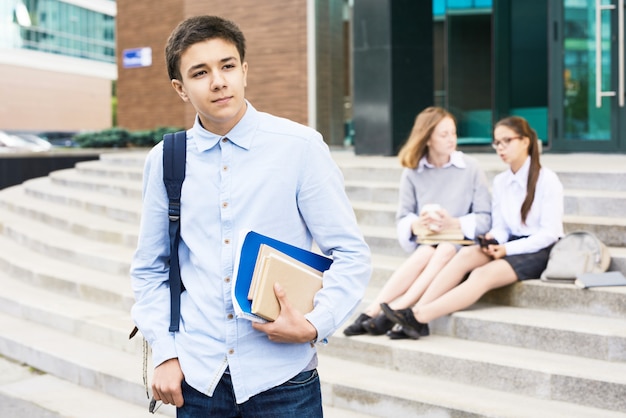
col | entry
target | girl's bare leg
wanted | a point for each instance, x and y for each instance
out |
(495, 274)
(466, 260)
(402, 278)
(442, 255)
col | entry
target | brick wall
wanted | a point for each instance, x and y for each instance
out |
(145, 98)
(276, 37)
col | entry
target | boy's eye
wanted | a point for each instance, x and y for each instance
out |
(199, 73)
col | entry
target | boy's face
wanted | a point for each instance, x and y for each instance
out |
(213, 81)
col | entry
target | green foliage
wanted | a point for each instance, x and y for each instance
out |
(121, 138)
(108, 138)
(114, 111)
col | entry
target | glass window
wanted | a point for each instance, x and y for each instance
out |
(57, 27)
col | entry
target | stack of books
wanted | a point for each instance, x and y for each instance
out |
(454, 236)
(263, 261)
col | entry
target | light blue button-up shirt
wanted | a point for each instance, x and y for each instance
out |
(269, 175)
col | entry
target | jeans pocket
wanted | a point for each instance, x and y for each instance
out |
(302, 378)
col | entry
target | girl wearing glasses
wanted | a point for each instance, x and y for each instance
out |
(437, 174)
(527, 216)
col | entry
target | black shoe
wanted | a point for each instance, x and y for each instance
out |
(379, 325)
(357, 328)
(406, 319)
(397, 333)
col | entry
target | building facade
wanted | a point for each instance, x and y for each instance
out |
(360, 70)
(295, 49)
(560, 64)
(57, 64)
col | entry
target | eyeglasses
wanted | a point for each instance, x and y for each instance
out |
(504, 142)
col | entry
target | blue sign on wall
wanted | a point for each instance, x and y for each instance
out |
(137, 57)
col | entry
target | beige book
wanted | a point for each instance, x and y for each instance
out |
(264, 251)
(443, 235)
(300, 283)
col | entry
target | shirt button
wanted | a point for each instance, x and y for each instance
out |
(226, 241)
(229, 316)
(225, 168)
(227, 279)
(224, 139)
(225, 204)
(231, 351)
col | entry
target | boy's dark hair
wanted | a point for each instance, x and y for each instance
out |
(198, 29)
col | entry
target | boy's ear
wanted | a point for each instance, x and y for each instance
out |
(180, 89)
(244, 67)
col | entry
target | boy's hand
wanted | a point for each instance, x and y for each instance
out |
(167, 383)
(290, 326)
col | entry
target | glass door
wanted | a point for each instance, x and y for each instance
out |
(588, 75)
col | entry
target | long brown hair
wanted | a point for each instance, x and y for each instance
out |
(521, 127)
(415, 146)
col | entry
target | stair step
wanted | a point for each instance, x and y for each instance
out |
(63, 278)
(114, 187)
(386, 192)
(112, 207)
(109, 170)
(65, 246)
(76, 360)
(31, 394)
(70, 219)
(568, 333)
(609, 203)
(533, 373)
(127, 158)
(605, 172)
(610, 230)
(97, 323)
(576, 202)
(394, 392)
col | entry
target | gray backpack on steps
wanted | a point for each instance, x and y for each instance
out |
(576, 253)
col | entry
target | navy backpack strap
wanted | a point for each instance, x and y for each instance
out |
(174, 159)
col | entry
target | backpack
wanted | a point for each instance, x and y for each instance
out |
(576, 253)
(174, 160)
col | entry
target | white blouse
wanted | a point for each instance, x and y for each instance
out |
(544, 222)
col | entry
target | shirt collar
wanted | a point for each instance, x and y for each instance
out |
(456, 160)
(521, 177)
(240, 134)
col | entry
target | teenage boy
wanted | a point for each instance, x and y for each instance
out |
(245, 170)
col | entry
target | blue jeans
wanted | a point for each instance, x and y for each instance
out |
(298, 397)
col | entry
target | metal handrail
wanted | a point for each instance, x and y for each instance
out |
(599, 92)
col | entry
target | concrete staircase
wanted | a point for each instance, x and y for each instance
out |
(531, 349)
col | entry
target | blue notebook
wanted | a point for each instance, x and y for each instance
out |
(246, 261)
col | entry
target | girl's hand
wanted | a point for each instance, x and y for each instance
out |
(419, 226)
(495, 251)
(445, 221)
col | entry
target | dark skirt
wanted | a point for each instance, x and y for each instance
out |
(530, 265)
